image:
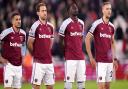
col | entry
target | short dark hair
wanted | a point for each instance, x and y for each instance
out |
(39, 5)
(105, 3)
(14, 14)
(69, 6)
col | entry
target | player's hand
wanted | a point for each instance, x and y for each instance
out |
(115, 63)
(3, 60)
(93, 62)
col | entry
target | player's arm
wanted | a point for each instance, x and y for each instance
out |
(115, 61)
(23, 50)
(30, 44)
(52, 42)
(52, 37)
(31, 37)
(62, 35)
(2, 37)
(61, 42)
(2, 60)
(88, 40)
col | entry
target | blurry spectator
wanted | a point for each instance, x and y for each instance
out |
(57, 13)
(51, 19)
(126, 72)
(120, 21)
(119, 43)
(125, 44)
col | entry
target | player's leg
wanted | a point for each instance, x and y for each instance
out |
(7, 88)
(17, 78)
(81, 76)
(49, 77)
(70, 71)
(107, 85)
(101, 85)
(37, 75)
(68, 85)
(49, 86)
(8, 76)
(101, 74)
(34, 86)
(109, 75)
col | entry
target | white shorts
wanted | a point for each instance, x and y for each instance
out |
(42, 73)
(75, 70)
(12, 76)
(104, 72)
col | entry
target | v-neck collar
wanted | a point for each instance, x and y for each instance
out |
(42, 23)
(105, 22)
(15, 31)
(74, 19)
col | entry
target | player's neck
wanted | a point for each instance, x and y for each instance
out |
(74, 17)
(106, 20)
(16, 29)
(43, 21)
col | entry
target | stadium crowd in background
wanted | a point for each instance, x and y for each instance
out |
(57, 13)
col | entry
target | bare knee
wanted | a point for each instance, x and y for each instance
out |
(49, 86)
(101, 85)
(107, 85)
(7, 88)
(36, 86)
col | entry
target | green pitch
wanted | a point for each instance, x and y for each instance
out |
(120, 84)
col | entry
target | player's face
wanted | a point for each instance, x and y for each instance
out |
(107, 10)
(16, 21)
(74, 10)
(42, 13)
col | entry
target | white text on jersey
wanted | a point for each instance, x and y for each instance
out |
(44, 36)
(105, 35)
(15, 44)
(75, 34)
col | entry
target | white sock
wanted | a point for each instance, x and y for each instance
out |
(68, 85)
(81, 85)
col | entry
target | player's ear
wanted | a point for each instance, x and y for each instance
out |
(12, 20)
(37, 13)
(102, 9)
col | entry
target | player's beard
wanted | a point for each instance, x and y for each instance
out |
(19, 25)
(75, 13)
(108, 16)
(43, 18)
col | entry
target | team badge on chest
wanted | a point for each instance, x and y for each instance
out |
(12, 37)
(110, 29)
(21, 38)
(49, 29)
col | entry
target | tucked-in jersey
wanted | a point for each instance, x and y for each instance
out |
(42, 34)
(72, 31)
(12, 43)
(102, 33)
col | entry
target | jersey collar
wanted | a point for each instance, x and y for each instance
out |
(74, 19)
(42, 23)
(13, 29)
(105, 22)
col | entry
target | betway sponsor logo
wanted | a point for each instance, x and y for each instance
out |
(105, 35)
(44, 36)
(15, 44)
(75, 34)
